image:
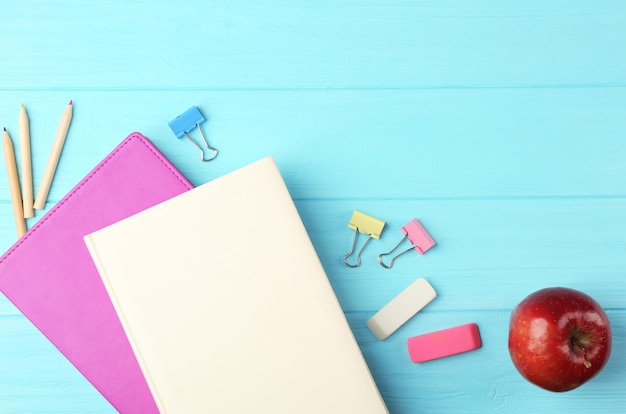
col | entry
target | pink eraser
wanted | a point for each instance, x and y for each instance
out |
(444, 343)
(418, 236)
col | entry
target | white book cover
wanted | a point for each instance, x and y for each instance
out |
(227, 306)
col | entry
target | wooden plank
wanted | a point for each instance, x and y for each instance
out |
(359, 144)
(490, 254)
(314, 44)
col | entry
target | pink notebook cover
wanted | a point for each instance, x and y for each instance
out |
(49, 275)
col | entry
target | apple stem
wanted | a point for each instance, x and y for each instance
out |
(583, 349)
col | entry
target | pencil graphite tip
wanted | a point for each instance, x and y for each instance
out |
(5, 129)
(70, 102)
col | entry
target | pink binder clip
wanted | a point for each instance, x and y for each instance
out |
(417, 235)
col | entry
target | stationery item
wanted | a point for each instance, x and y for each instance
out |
(417, 235)
(364, 224)
(221, 328)
(51, 278)
(444, 343)
(185, 123)
(401, 308)
(14, 184)
(26, 164)
(53, 159)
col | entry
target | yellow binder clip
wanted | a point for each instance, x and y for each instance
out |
(364, 224)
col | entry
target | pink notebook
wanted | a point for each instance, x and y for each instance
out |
(49, 275)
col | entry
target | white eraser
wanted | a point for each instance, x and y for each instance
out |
(402, 308)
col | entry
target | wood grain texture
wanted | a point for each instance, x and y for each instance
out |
(500, 126)
(320, 43)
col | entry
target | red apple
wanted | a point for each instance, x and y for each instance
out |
(559, 338)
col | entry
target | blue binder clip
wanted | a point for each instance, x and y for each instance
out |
(185, 123)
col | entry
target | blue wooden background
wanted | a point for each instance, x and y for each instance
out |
(501, 126)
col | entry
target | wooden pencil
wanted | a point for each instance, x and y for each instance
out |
(14, 184)
(26, 164)
(53, 159)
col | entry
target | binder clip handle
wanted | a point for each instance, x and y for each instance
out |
(358, 255)
(417, 235)
(393, 259)
(206, 143)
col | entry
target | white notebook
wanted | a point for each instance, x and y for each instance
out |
(227, 306)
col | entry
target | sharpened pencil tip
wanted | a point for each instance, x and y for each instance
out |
(70, 102)
(5, 130)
